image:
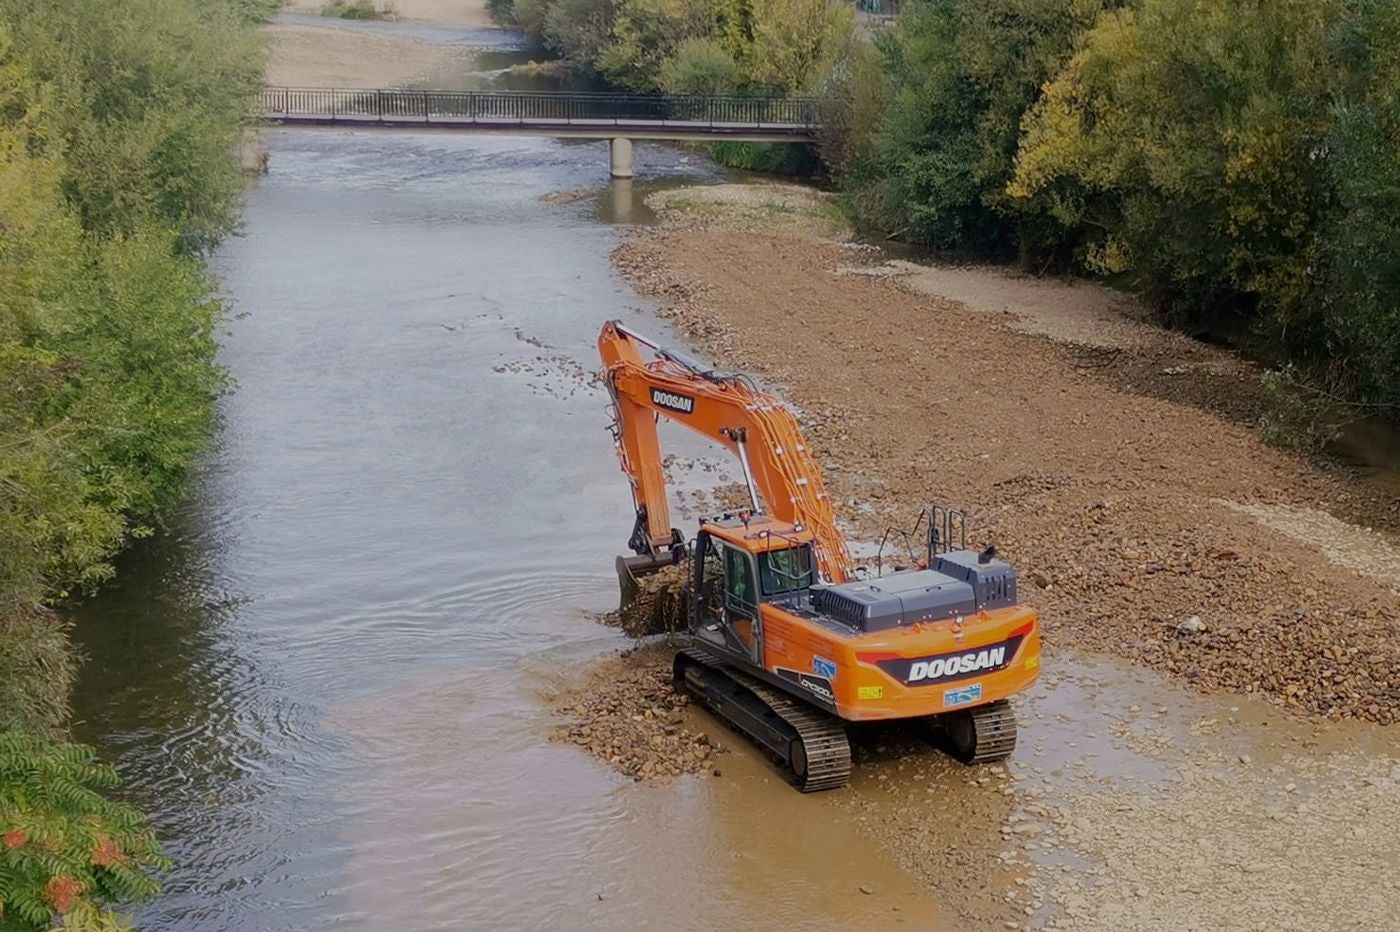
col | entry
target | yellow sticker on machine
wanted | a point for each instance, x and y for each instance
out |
(1032, 662)
(870, 692)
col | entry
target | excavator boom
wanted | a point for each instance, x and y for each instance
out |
(783, 479)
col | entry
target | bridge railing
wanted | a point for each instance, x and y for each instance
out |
(531, 106)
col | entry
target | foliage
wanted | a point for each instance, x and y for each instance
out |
(1238, 155)
(647, 45)
(773, 158)
(701, 66)
(1298, 416)
(960, 75)
(502, 11)
(793, 40)
(117, 126)
(852, 98)
(65, 849)
(106, 354)
(143, 101)
(355, 9)
(36, 670)
(646, 33)
(578, 30)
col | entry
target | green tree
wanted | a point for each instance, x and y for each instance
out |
(648, 33)
(701, 66)
(961, 74)
(793, 40)
(579, 29)
(144, 101)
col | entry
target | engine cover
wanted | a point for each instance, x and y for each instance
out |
(958, 585)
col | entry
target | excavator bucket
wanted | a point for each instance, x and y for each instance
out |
(653, 596)
(632, 569)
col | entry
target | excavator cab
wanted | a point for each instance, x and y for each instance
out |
(738, 565)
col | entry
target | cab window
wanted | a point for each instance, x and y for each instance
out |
(738, 576)
(786, 570)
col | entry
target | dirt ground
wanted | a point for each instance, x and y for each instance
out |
(1193, 582)
(314, 56)
(1118, 507)
(444, 12)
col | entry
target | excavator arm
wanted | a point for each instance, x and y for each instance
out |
(783, 479)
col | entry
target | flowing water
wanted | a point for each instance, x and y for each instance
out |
(324, 678)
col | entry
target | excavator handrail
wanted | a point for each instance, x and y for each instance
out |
(727, 409)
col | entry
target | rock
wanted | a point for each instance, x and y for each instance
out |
(1192, 625)
(866, 889)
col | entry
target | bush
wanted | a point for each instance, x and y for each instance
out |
(961, 74)
(648, 33)
(795, 41)
(1238, 155)
(65, 850)
(701, 66)
(143, 102)
(773, 158)
(577, 30)
(502, 11)
(354, 9)
(117, 127)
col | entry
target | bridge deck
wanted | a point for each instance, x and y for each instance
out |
(635, 116)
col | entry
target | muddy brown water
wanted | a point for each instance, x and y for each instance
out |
(323, 679)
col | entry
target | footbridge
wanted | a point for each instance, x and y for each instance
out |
(620, 118)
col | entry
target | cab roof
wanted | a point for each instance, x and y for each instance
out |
(760, 534)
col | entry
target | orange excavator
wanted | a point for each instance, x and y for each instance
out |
(784, 641)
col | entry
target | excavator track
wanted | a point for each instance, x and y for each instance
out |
(982, 735)
(809, 744)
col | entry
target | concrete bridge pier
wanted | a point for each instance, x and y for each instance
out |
(621, 151)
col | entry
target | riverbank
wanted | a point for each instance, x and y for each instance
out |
(108, 385)
(1129, 505)
(1107, 460)
(332, 54)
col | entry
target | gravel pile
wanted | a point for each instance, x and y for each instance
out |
(630, 716)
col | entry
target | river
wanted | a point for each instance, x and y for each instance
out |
(324, 678)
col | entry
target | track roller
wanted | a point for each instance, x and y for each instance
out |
(981, 735)
(809, 744)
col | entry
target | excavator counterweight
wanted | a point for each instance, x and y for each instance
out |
(784, 642)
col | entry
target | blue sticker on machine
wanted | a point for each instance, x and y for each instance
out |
(962, 695)
(823, 667)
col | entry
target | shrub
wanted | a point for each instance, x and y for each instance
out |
(353, 9)
(647, 34)
(66, 850)
(961, 74)
(794, 41)
(502, 11)
(701, 66)
(1238, 155)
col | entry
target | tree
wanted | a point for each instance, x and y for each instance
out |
(701, 66)
(794, 39)
(648, 33)
(961, 74)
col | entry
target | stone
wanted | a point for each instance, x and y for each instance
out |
(1192, 625)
